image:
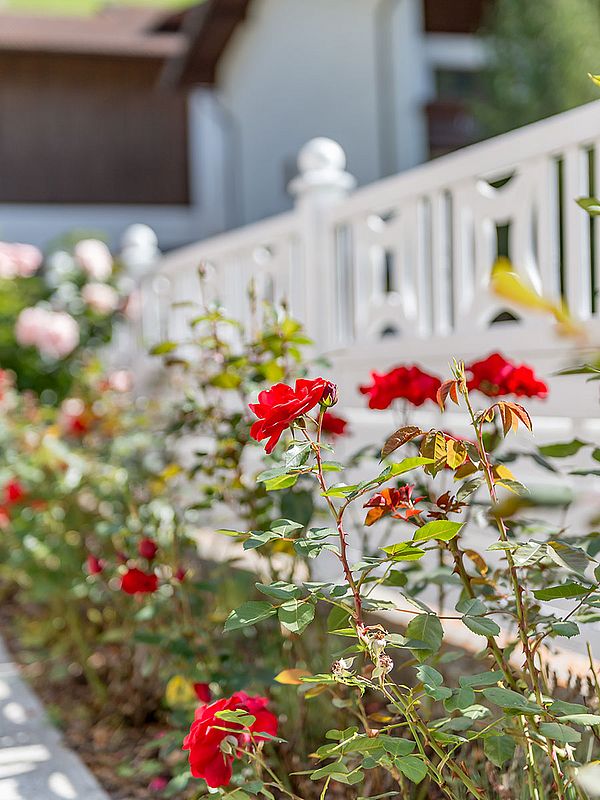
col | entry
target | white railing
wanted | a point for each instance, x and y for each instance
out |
(399, 270)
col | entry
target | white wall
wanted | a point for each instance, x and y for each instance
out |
(295, 70)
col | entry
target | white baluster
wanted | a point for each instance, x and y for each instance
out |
(321, 184)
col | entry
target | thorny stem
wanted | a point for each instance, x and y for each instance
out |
(413, 720)
(517, 590)
(338, 516)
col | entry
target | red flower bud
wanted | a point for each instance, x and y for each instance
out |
(330, 395)
(180, 574)
(203, 692)
(147, 548)
(94, 565)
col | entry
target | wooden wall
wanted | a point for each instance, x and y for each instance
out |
(89, 129)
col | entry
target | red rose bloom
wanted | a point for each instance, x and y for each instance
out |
(333, 425)
(208, 732)
(137, 582)
(202, 692)
(495, 376)
(147, 549)
(94, 565)
(279, 406)
(13, 492)
(407, 383)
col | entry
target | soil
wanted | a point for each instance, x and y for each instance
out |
(115, 752)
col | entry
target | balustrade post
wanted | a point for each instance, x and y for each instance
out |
(139, 255)
(321, 183)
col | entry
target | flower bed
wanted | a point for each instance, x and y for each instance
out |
(203, 677)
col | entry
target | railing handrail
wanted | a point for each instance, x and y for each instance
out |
(237, 239)
(486, 159)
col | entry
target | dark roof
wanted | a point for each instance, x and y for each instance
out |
(207, 27)
(114, 31)
(189, 42)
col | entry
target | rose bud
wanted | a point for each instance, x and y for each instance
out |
(94, 565)
(203, 692)
(330, 395)
(147, 549)
(180, 574)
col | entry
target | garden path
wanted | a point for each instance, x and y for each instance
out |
(35, 764)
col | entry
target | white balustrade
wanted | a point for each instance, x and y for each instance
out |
(399, 270)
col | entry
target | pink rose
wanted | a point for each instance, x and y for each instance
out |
(19, 260)
(121, 380)
(95, 258)
(54, 333)
(100, 297)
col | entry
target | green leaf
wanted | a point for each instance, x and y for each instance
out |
(429, 677)
(238, 715)
(404, 551)
(471, 606)
(559, 732)
(249, 614)
(162, 348)
(281, 482)
(407, 464)
(589, 204)
(562, 450)
(427, 630)
(565, 555)
(441, 529)
(512, 701)
(283, 527)
(565, 590)
(482, 626)
(411, 766)
(295, 615)
(395, 745)
(460, 699)
(568, 629)
(482, 679)
(581, 719)
(280, 590)
(499, 749)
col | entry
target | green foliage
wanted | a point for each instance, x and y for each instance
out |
(540, 54)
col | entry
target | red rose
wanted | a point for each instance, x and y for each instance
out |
(13, 492)
(207, 759)
(407, 383)
(94, 565)
(147, 549)
(279, 406)
(134, 581)
(180, 574)
(202, 692)
(495, 376)
(334, 425)
(523, 382)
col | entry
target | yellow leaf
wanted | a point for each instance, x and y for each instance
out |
(456, 453)
(179, 692)
(509, 285)
(170, 471)
(502, 473)
(291, 677)
(594, 78)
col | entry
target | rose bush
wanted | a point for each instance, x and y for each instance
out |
(270, 672)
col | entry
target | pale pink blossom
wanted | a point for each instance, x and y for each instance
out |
(19, 260)
(121, 380)
(54, 333)
(30, 326)
(100, 297)
(95, 258)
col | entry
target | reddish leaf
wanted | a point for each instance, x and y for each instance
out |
(400, 437)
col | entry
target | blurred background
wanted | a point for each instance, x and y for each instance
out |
(188, 116)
